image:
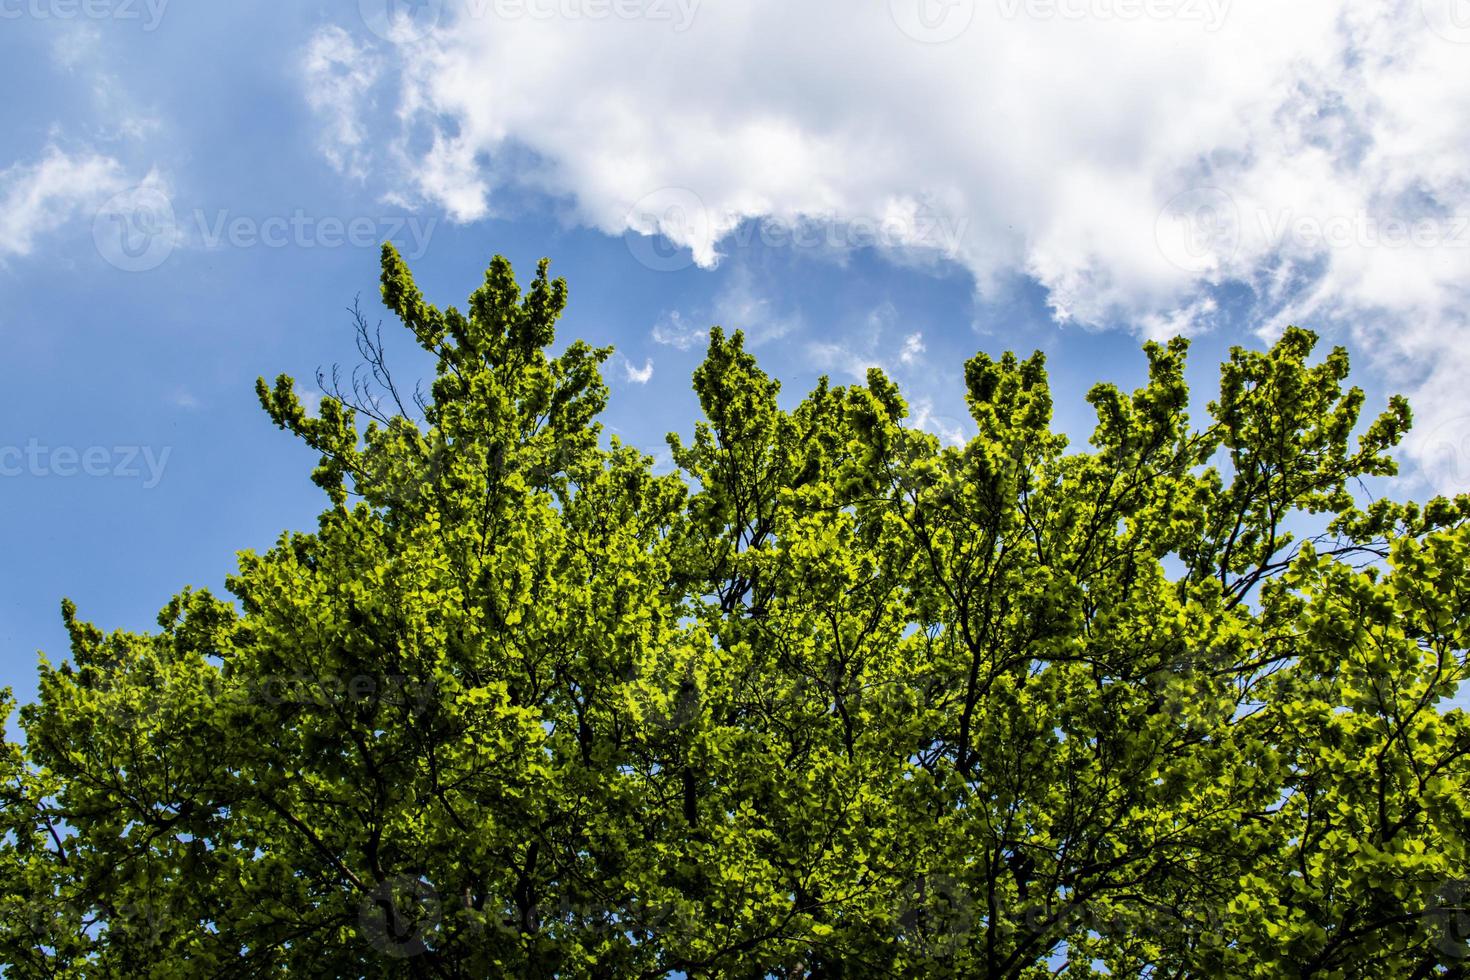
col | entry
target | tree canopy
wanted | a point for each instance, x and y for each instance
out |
(829, 699)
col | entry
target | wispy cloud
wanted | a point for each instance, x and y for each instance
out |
(38, 198)
(76, 45)
(340, 74)
(868, 344)
(950, 430)
(673, 331)
(740, 304)
(912, 351)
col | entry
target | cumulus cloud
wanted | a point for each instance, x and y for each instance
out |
(638, 375)
(39, 197)
(1187, 321)
(1134, 159)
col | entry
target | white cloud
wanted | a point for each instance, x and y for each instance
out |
(950, 430)
(339, 75)
(865, 345)
(741, 305)
(913, 349)
(840, 356)
(1187, 321)
(76, 45)
(1131, 165)
(37, 198)
(638, 375)
(672, 331)
(855, 349)
(310, 398)
(738, 304)
(83, 49)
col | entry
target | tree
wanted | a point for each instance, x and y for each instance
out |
(830, 700)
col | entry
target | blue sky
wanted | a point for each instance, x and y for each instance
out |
(191, 195)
